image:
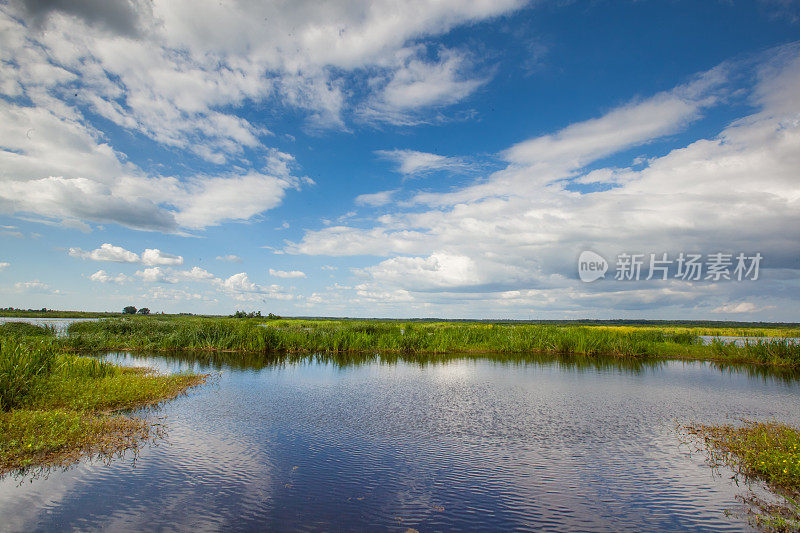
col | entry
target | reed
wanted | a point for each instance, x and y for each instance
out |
(350, 336)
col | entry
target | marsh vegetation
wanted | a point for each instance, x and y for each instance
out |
(56, 406)
(393, 337)
(767, 452)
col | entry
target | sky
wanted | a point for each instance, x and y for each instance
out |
(456, 159)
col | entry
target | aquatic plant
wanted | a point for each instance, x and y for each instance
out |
(759, 451)
(54, 405)
(344, 336)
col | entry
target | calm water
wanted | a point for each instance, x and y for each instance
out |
(60, 324)
(469, 444)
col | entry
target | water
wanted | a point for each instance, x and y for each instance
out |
(468, 444)
(60, 324)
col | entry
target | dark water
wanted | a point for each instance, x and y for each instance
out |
(469, 444)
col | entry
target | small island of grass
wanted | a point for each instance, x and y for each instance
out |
(56, 407)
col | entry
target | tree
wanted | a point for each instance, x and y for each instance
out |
(144, 311)
(129, 310)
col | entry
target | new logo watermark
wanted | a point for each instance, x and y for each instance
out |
(714, 267)
(591, 266)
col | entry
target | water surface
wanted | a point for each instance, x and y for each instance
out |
(60, 324)
(468, 444)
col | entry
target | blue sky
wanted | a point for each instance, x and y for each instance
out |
(448, 159)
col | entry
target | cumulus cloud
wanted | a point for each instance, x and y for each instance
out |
(154, 256)
(118, 254)
(106, 252)
(243, 289)
(158, 274)
(155, 275)
(101, 276)
(513, 237)
(142, 66)
(230, 258)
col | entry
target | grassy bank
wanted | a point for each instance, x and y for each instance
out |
(347, 336)
(56, 407)
(764, 451)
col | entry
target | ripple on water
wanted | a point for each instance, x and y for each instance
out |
(465, 445)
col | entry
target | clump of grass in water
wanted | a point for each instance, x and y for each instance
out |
(765, 451)
(780, 351)
(55, 407)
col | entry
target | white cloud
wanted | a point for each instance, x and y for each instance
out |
(241, 288)
(414, 163)
(101, 276)
(286, 274)
(11, 231)
(4, 266)
(439, 270)
(154, 256)
(168, 78)
(375, 199)
(118, 254)
(195, 274)
(155, 275)
(145, 67)
(171, 294)
(230, 258)
(513, 237)
(168, 275)
(741, 307)
(418, 84)
(211, 201)
(107, 252)
(34, 285)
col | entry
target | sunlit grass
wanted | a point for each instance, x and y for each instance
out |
(343, 336)
(766, 451)
(54, 406)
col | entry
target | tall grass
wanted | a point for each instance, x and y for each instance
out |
(780, 351)
(22, 368)
(350, 336)
(53, 404)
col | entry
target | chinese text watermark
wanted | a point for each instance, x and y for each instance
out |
(713, 267)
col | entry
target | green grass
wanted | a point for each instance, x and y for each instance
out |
(766, 451)
(56, 407)
(24, 329)
(157, 333)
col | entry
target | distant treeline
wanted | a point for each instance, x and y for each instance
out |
(52, 313)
